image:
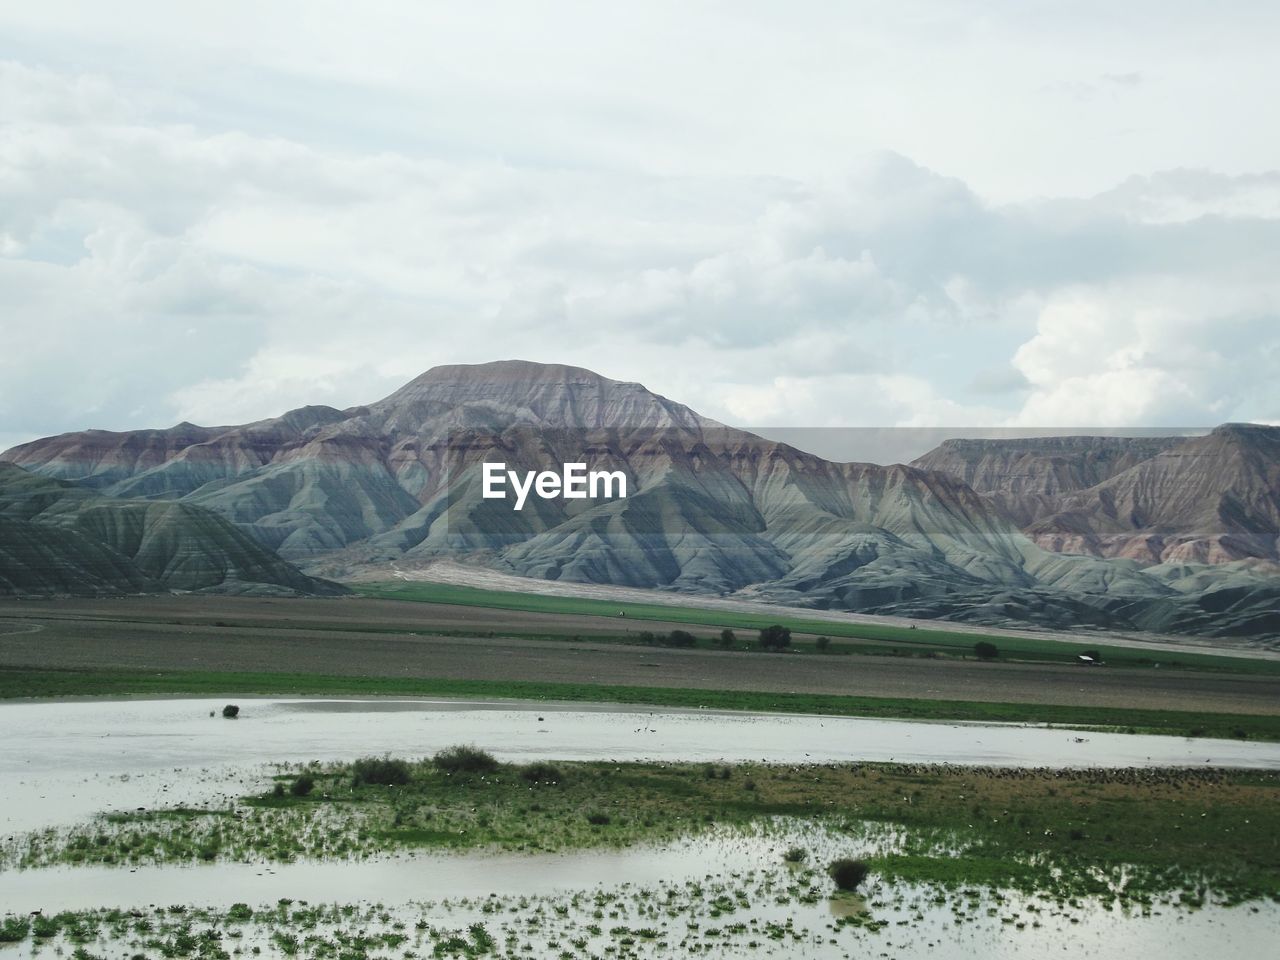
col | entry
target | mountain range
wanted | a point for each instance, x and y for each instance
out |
(1171, 534)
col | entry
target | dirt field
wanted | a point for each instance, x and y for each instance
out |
(361, 637)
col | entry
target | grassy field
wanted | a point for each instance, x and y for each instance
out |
(859, 638)
(18, 682)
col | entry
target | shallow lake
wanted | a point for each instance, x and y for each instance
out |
(61, 761)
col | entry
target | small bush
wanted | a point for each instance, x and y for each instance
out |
(383, 771)
(14, 929)
(727, 639)
(796, 855)
(541, 773)
(231, 711)
(680, 638)
(278, 789)
(44, 927)
(303, 786)
(646, 636)
(465, 759)
(823, 644)
(599, 819)
(985, 650)
(848, 874)
(240, 911)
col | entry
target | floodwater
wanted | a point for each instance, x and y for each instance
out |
(694, 891)
(61, 761)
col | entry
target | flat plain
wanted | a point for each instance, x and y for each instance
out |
(376, 638)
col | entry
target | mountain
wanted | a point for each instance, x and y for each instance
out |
(1029, 477)
(1210, 499)
(710, 508)
(58, 537)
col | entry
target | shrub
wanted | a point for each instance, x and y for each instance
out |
(231, 711)
(465, 759)
(380, 770)
(796, 855)
(823, 644)
(848, 874)
(646, 636)
(985, 650)
(278, 789)
(240, 911)
(303, 785)
(44, 927)
(680, 638)
(727, 639)
(14, 929)
(599, 819)
(541, 773)
(775, 637)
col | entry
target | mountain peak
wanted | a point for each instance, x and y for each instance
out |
(524, 371)
(547, 394)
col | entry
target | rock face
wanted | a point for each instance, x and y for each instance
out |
(58, 537)
(710, 508)
(1030, 477)
(1212, 499)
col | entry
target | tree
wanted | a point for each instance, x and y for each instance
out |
(823, 644)
(985, 650)
(727, 639)
(775, 637)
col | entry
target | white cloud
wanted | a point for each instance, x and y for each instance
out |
(153, 269)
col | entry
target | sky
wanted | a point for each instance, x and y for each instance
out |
(812, 215)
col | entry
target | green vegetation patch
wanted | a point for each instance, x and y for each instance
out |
(1065, 834)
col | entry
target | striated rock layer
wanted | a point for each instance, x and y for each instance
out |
(710, 508)
(1213, 499)
(58, 537)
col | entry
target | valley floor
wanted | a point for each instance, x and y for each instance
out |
(363, 645)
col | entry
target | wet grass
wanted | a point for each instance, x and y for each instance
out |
(1139, 835)
(20, 682)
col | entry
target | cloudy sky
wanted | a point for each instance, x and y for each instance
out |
(807, 214)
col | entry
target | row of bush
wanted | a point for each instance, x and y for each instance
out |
(392, 772)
